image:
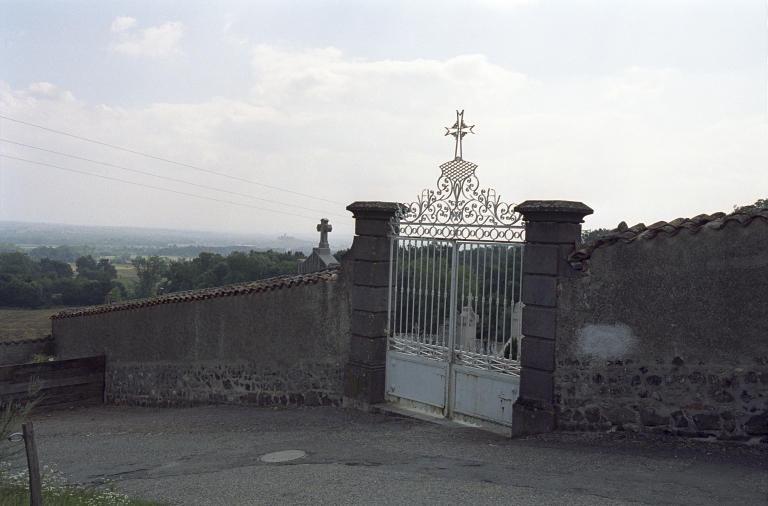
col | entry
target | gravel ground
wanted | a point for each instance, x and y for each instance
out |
(210, 456)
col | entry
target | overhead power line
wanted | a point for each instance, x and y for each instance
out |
(161, 189)
(168, 161)
(175, 180)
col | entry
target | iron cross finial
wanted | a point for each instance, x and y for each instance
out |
(459, 133)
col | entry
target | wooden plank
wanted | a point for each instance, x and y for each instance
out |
(50, 393)
(65, 382)
(20, 372)
(96, 361)
(8, 371)
(91, 401)
(66, 394)
(78, 393)
(13, 388)
(53, 375)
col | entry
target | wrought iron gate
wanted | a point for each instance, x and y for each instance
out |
(454, 299)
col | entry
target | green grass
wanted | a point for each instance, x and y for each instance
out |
(14, 491)
(126, 274)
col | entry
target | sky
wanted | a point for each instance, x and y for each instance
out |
(282, 113)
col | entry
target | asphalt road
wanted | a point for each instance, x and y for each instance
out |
(210, 456)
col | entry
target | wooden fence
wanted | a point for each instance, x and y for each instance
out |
(76, 382)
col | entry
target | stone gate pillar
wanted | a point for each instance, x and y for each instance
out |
(552, 227)
(364, 383)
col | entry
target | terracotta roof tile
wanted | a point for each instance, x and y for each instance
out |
(264, 285)
(622, 233)
(49, 337)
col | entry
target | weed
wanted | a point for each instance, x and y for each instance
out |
(14, 491)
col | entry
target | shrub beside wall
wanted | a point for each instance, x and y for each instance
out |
(668, 332)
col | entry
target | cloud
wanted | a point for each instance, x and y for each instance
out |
(643, 144)
(48, 91)
(310, 78)
(32, 95)
(505, 4)
(153, 42)
(122, 23)
(230, 37)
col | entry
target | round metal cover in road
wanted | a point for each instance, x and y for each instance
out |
(283, 456)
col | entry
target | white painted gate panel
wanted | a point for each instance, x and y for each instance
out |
(416, 382)
(483, 397)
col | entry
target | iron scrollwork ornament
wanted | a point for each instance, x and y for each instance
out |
(458, 209)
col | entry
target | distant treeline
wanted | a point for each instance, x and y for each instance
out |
(25, 282)
(212, 269)
(193, 251)
(33, 283)
(64, 253)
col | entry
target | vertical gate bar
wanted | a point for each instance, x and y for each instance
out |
(482, 304)
(414, 292)
(428, 291)
(463, 281)
(427, 263)
(408, 268)
(512, 315)
(439, 293)
(401, 269)
(392, 243)
(446, 290)
(432, 304)
(490, 303)
(520, 320)
(452, 314)
(504, 328)
(452, 334)
(440, 277)
(498, 299)
(477, 278)
(417, 299)
(421, 286)
(411, 287)
(403, 293)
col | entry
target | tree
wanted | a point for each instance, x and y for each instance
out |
(86, 267)
(21, 293)
(150, 271)
(18, 264)
(591, 235)
(759, 205)
(57, 268)
(105, 268)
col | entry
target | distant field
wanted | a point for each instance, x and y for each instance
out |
(26, 323)
(126, 274)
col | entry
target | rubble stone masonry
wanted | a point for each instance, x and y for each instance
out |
(668, 334)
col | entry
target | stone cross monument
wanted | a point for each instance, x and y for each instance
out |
(324, 227)
(321, 257)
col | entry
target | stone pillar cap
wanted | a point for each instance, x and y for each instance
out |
(373, 209)
(562, 211)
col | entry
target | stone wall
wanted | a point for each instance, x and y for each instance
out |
(279, 341)
(19, 351)
(668, 333)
